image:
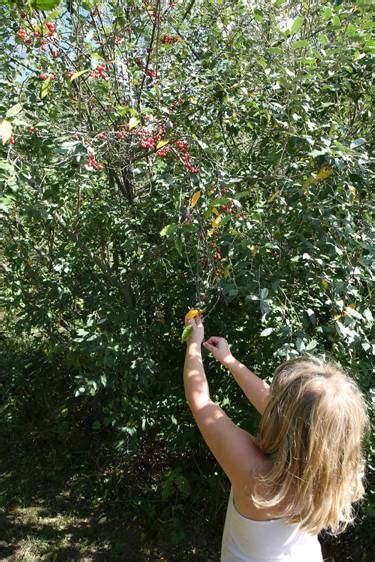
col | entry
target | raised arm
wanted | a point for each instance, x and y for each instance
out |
(256, 389)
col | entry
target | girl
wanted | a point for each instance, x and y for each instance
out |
(303, 470)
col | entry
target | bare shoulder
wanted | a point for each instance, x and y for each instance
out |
(243, 487)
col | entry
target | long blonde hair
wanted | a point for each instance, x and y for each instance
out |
(313, 430)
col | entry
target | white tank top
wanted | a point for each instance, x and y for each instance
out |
(247, 540)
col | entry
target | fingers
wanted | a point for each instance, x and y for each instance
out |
(213, 340)
(209, 346)
(199, 320)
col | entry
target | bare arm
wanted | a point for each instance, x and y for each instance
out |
(256, 389)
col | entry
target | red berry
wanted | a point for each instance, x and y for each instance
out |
(121, 135)
(11, 139)
(182, 145)
(51, 27)
(162, 152)
(169, 39)
(43, 76)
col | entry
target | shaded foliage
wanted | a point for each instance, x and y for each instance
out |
(113, 116)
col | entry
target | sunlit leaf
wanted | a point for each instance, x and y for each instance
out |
(133, 122)
(324, 173)
(296, 25)
(5, 130)
(162, 143)
(195, 198)
(14, 110)
(186, 333)
(44, 4)
(46, 86)
(168, 230)
(215, 223)
(77, 74)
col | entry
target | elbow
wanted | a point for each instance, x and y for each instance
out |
(197, 401)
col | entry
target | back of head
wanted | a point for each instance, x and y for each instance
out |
(313, 430)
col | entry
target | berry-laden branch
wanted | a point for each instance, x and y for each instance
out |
(147, 71)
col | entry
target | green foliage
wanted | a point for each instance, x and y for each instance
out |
(267, 111)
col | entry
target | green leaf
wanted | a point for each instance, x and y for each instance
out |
(186, 333)
(5, 130)
(78, 73)
(178, 246)
(14, 110)
(168, 230)
(44, 4)
(46, 86)
(266, 332)
(296, 25)
(300, 43)
(219, 201)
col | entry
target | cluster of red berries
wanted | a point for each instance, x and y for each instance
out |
(150, 72)
(149, 140)
(163, 151)
(51, 28)
(46, 76)
(121, 135)
(23, 36)
(228, 208)
(99, 72)
(169, 39)
(183, 149)
(11, 139)
(92, 163)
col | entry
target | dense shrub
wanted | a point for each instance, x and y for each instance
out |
(114, 116)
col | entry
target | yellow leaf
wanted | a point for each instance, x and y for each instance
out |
(5, 130)
(133, 122)
(273, 196)
(162, 143)
(324, 173)
(215, 211)
(77, 74)
(226, 271)
(215, 223)
(192, 314)
(253, 249)
(325, 283)
(195, 198)
(351, 305)
(353, 191)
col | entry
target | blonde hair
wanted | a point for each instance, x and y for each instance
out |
(313, 430)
